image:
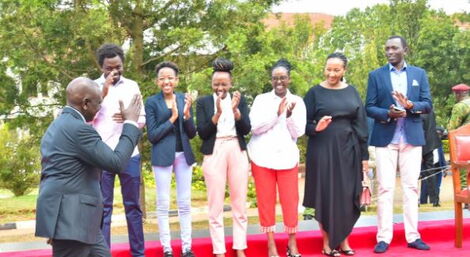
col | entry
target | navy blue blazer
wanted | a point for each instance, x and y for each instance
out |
(379, 99)
(207, 131)
(159, 129)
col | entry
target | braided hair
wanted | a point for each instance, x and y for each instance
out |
(222, 65)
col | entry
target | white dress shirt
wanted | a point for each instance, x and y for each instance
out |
(273, 143)
(109, 130)
(226, 123)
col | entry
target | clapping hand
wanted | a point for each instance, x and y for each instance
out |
(218, 104)
(290, 107)
(365, 166)
(117, 117)
(174, 110)
(323, 123)
(402, 100)
(187, 106)
(282, 106)
(218, 107)
(132, 112)
(235, 102)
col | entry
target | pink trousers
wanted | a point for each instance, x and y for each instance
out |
(227, 163)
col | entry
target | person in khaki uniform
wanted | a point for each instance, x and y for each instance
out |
(460, 116)
(461, 110)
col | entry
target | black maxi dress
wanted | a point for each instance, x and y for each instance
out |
(334, 159)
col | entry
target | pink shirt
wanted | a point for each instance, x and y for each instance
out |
(109, 130)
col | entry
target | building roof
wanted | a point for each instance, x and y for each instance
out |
(276, 19)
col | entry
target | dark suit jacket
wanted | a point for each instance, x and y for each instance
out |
(433, 140)
(70, 205)
(207, 130)
(379, 99)
(159, 129)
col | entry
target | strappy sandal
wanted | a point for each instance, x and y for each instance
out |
(333, 253)
(290, 254)
(349, 252)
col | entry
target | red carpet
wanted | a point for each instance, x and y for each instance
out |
(438, 234)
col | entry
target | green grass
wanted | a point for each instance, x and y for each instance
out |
(24, 207)
(17, 208)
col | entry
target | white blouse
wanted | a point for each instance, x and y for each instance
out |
(226, 123)
(273, 143)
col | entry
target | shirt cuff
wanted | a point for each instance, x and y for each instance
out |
(131, 122)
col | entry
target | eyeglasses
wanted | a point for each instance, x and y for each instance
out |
(281, 78)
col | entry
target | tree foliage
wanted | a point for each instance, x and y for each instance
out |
(57, 40)
(19, 162)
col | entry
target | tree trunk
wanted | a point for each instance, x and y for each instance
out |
(137, 35)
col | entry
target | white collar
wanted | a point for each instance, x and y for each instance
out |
(273, 94)
(79, 113)
(227, 98)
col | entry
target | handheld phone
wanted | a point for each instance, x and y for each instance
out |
(398, 109)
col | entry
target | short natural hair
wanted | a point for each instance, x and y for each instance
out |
(109, 50)
(167, 64)
(402, 40)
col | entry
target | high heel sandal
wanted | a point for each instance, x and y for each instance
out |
(349, 252)
(331, 253)
(289, 254)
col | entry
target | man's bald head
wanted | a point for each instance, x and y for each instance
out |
(84, 95)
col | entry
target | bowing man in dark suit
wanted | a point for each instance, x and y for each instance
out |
(222, 122)
(70, 205)
(397, 94)
(170, 126)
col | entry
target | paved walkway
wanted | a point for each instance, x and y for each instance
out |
(363, 221)
(199, 214)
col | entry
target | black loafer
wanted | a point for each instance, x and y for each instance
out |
(381, 247)
(188, 253)
(419, 244)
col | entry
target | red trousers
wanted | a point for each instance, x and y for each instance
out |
(287, 183)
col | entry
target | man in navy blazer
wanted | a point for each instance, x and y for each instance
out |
(397, 94)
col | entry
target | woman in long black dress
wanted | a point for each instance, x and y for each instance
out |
(336, 155)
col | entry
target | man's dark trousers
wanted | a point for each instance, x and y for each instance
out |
(130, 189)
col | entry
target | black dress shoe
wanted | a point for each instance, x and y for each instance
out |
(168, 254)
(188, 253)
(419, 244)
